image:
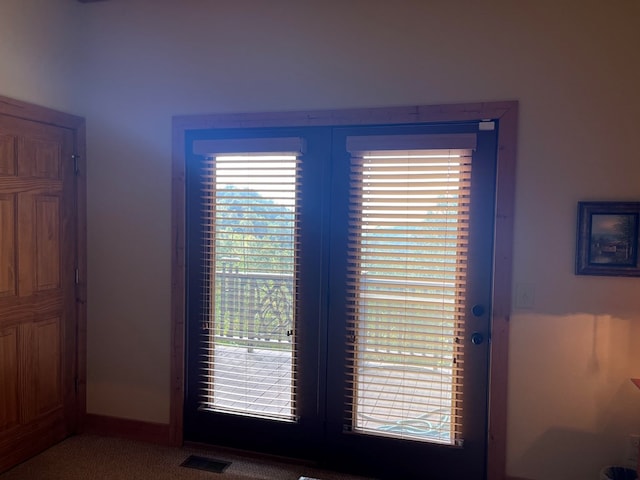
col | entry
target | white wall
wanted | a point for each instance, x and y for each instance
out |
(37, 51)
(574, 65)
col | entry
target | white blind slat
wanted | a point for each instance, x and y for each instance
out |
(250, 237)
(409, 214)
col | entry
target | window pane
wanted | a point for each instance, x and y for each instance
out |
(407, 255)
(250, 222)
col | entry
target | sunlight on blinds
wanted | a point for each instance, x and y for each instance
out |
(409, 214)
(251, 235)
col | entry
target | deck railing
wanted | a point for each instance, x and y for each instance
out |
(253, 307)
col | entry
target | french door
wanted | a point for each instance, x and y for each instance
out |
(339, 289)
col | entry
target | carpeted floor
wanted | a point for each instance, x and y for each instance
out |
(88, 457)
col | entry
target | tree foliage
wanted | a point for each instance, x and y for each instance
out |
(253, 233)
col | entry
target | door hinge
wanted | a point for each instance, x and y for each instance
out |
(75, 159)
(77, 277)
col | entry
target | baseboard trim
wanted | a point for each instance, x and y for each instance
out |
(149, 432)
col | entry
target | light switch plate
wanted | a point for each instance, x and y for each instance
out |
(525, 295)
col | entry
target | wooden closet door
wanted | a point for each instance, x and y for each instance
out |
(37, 288)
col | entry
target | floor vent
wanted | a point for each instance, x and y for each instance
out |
(206, 464)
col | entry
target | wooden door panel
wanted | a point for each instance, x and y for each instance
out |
(8, 378)
(39, 374)
(27, 245)
(7, 245)
(39, 157)
(7, 155)
(26, 392)
(47, 375)
(47, 242)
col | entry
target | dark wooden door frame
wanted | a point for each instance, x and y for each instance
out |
(506, 113)
(35, 113)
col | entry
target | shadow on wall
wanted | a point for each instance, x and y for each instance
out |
(571, 403)
(559, 454)
(565, 453)
(570, 295)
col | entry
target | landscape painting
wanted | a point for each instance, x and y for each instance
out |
(607, 240)
(611, 240)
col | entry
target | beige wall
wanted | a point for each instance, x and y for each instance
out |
(573, 65)
(37, 51)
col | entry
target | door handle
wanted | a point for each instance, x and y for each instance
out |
(477, 338)
(477, 310)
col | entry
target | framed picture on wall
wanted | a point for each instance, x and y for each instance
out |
(608, 239)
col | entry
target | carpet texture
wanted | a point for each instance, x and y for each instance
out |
(88, 457)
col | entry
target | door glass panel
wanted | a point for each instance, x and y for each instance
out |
(250, 238)
(408, 235)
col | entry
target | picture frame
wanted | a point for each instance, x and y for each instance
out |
(608, 239)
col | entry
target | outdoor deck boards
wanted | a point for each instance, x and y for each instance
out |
(259, 381)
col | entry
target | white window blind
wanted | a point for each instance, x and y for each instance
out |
(250, 262)
(409, 213)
